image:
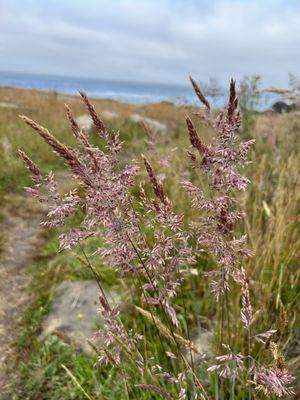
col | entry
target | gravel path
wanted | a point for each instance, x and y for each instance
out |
(20, 230)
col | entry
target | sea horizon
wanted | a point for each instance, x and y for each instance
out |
(124, 91)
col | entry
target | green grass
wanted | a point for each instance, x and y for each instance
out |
(272, 203)
(39, 371)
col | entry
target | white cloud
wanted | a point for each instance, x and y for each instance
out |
(154, 40)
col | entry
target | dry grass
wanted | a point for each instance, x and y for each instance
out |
(272, 202)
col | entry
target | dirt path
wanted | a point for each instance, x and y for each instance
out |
(20, 238)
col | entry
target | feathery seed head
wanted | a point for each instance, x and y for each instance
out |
(200, 94)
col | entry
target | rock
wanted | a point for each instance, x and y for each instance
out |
(74, 313)
(203, 342)
(106, 114)
(85, 122)
(5, 104)
(151, 123)
(6, 147)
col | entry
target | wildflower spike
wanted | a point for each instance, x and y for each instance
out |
(33, 168)
(194, 138)
(157, 187)
(232, 102)
(74, 125)
(200, 94)
(99, 125)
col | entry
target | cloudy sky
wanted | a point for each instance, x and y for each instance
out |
(152, 40)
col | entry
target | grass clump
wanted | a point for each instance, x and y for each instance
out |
(159, 365)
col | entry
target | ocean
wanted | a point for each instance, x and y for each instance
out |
(130, 92)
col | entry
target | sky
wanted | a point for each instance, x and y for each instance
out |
(152, 40)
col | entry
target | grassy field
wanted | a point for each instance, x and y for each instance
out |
(272, 225)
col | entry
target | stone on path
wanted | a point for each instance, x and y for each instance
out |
(151, 123)
(203, 342)
(85, 122)
(107, 114)
(5, 104)
(74, 313)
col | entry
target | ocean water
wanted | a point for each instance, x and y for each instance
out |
(130, 92)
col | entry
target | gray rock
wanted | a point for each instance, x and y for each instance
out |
(152, 123)
(5, 104)
(203, 342)
(85, 122)
(74, 313)
(107, 114)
